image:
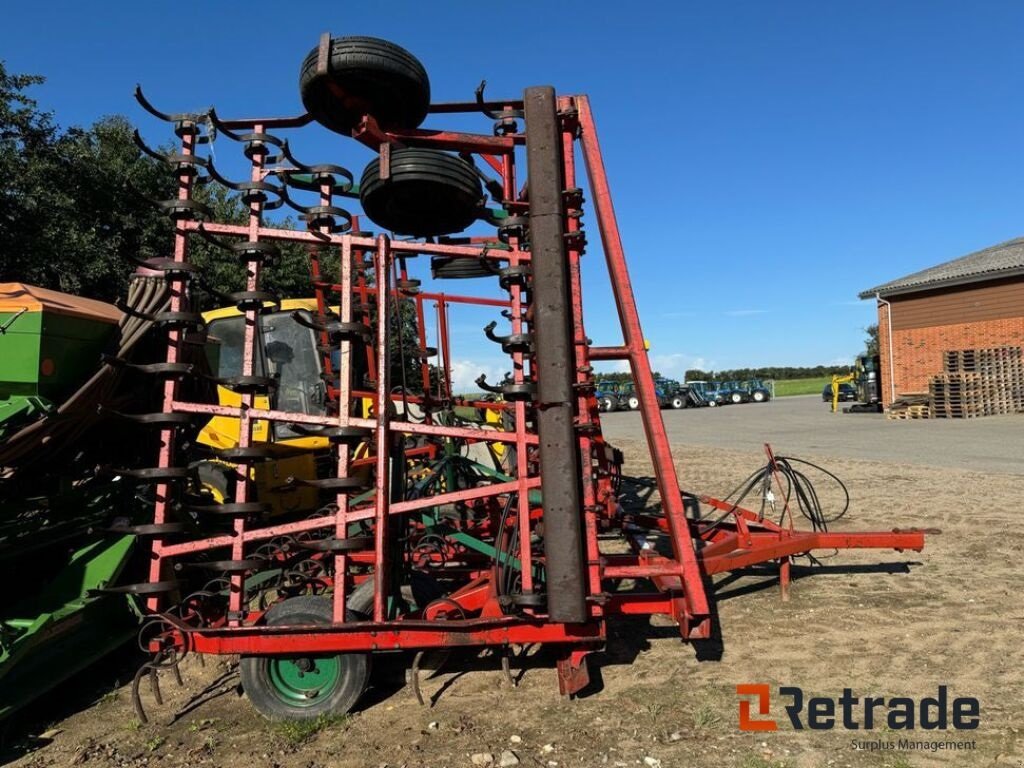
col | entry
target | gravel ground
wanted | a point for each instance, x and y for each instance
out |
(802, 425)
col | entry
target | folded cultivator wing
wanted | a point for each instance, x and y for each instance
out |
(342, 501)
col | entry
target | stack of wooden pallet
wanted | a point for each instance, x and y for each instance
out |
(979, 382)
(912, 405)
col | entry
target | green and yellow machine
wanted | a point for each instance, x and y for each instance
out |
(57, 552)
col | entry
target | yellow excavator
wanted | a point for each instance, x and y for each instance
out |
(288, 353)
(836, 381)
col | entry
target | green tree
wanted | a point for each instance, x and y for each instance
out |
(871, 342)
(67, 217)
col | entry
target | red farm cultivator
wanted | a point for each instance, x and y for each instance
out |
(363, 508)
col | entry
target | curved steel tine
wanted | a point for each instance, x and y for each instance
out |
(146, 105)
(205, 234)
(480, 101)
(176, 159)
(479, 92)
(286, 153)
(481, 382)
(178, 117)
(154, 685)
(137, 138)
(506, 668)
(216, 122)
(125, 307)
(176, 207)
(140, 711)
(414, 678)
(287, 200)
(248, 188)
(220, 179)
(205, 284)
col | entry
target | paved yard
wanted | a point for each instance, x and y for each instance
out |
(804, 425)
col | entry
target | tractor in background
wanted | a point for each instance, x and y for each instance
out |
(675, 394)
(759, 390)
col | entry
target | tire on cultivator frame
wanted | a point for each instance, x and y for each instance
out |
(365, 75)
(427, 193)
(304, 687)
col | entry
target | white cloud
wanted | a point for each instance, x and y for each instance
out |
(675, 364)
(466, 372)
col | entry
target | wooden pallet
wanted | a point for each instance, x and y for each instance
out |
(910, 412)
(979, 382)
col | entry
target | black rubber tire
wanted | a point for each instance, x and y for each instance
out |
(459, 269)
(428, 193)
(759, 396)
(216, 477)
(606, 405)
(355, 667)
(365, 75)
(736, 398)
(633, 403)
(678, 402)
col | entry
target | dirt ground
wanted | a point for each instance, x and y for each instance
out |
(951, 615)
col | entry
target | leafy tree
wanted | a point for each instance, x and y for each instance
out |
(67, 218)
(871, 342)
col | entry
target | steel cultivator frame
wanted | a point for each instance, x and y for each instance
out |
(517, 555)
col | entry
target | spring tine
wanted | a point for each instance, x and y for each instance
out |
(176, 208)
(191, 163)
(482, 383)
(144, 102)
(215, 121)
(154, 685)
(176, 668)
(414, 678)
(212, 239)
(286, 153)
(140, 711)
(506, 668)
(184, 122)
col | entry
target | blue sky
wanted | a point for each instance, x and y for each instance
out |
(768, 159)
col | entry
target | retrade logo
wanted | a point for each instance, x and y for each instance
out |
(823, 713)
(761, 691)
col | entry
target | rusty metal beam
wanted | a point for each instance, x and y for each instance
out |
(559, 458)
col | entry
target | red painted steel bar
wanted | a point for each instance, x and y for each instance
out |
(654, 427)
(495, 253)
(344, 405)
(391, 636)
(382, 265)
(170, 388)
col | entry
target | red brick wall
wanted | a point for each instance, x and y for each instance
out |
(917, 352)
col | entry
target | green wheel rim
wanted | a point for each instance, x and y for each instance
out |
(305, 681)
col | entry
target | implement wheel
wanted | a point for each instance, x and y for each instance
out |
(427, 193)
(304, 687)
(365, 75)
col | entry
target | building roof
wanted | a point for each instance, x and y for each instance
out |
(1003, 260)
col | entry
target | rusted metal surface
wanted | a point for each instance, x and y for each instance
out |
(559, 460)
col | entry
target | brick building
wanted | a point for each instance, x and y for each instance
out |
(974, 302)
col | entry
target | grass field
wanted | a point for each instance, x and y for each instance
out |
(786, 387)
